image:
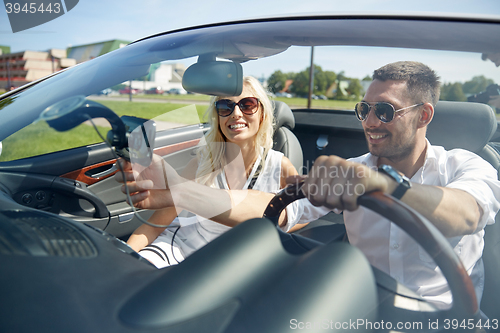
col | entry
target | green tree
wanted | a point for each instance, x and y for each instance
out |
(354, 89)
(445, 88)
(300, 86)
(339, 93)
(277, 81)
(476, 85)
(331, 77)
(452, 92)
(322, 81)
(341, 76)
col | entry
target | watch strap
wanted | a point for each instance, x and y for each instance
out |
(400, 191)
(403, 181)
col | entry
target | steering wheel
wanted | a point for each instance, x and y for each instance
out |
(418, 227)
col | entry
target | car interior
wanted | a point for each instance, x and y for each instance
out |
(65, 219)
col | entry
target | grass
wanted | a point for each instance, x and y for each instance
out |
(168, 111)
(293, 102)
(186, 97)
(38, 139)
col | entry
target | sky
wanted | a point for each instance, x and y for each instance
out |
(92, 21)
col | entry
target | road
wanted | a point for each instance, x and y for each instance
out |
(146, 100)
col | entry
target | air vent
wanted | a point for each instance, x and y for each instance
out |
(42, 234)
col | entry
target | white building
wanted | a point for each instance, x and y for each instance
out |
(163, 75)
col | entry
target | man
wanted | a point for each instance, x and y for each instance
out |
(456, 190)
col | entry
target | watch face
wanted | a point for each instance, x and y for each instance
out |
(403, 182)
(393, 173)
(390, 171)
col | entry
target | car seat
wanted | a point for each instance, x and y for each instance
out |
(283, 139)
(471, 126)
(330, 227)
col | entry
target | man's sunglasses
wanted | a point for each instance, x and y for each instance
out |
(247, 105)
(384, 111)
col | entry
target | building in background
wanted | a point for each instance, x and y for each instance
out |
(162, 76)
(82, 53)
(19, 68)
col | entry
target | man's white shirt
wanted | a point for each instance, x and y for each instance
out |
(391, 250)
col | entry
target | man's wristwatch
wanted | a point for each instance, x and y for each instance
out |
(403, 181)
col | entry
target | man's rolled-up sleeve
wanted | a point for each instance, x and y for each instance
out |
(478, 178)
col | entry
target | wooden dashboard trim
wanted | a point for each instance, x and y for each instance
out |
(80, 174)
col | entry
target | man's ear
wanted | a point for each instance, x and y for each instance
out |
(426, 115)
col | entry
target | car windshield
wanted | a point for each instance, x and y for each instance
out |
(279, 53)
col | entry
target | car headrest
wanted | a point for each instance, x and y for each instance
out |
(463, 125)
(283, 116)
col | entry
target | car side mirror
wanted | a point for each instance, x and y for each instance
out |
(73, 111)
(217, 78)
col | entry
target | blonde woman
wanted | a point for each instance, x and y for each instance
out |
(237, 155)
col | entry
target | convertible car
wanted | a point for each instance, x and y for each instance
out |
(64, 219)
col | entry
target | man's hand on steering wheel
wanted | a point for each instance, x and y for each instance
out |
(334, 182)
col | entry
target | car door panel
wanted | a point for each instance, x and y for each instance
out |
(122, 221)
(79, 182)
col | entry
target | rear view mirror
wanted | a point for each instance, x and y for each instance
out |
(218, 78)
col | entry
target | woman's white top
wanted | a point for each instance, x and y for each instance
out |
(193, 232)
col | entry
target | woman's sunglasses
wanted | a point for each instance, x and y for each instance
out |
(384, 111)
(247, 105)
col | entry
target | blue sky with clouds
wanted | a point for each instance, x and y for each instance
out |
(99, 20)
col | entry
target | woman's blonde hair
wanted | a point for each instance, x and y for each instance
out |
(211, 155)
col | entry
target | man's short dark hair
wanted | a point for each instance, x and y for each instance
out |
(422, 82)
